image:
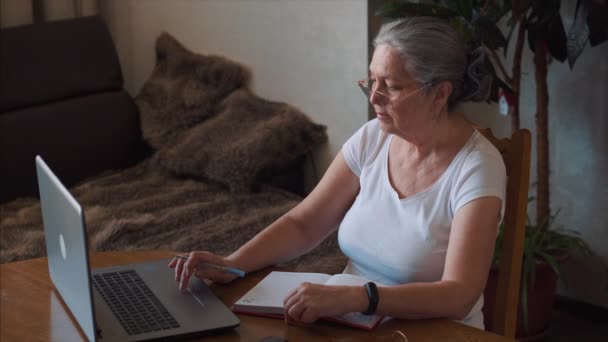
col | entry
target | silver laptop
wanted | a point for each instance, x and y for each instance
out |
(124, 303)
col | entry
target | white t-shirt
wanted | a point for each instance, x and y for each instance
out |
(395, 241)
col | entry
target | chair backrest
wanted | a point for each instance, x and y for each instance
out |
(516, 154)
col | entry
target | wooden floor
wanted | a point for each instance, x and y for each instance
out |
(575, 322)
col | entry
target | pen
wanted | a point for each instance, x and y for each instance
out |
(232, 270)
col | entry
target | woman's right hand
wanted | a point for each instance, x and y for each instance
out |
(184, 269)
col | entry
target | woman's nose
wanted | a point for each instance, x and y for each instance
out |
(377, 98)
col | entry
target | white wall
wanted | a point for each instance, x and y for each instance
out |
(578, 151)
(307, 53)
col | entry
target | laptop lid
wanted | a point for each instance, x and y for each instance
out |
(197, 311)
(66, 247)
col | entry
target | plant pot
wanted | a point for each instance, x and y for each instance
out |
(540, 303)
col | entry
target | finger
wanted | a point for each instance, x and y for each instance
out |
(173, 262)
(179, 266)
(185, 278)
(189, 268)
(289, 296)
(291, 302)
(295, 311)
(214, 275)
(206, 259)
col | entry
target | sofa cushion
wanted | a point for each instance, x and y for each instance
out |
(53, 61)
(78, 138)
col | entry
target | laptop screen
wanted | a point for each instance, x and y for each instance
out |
(66, 247)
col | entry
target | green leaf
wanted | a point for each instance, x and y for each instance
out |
(520, 7)
(529, 261)
(465, 30)
(496, 10)
(489, 34)
(578, 35)
(497, 82)
(511, 30)
(543, 11)
(464, 8)
(556, 39)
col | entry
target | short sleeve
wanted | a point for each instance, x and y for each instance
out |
(483, 174)
(358, 148)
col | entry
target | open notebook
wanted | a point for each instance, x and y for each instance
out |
(266, 298)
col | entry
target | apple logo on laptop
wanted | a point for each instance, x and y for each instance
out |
(62, 246)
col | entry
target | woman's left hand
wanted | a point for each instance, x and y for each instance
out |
(309, 302)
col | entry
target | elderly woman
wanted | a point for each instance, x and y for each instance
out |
(416, 194)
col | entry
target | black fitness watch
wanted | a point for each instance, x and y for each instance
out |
(372, 296)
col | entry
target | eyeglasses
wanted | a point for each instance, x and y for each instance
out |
(367, 86)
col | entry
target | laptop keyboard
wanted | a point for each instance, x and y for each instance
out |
(132, 302)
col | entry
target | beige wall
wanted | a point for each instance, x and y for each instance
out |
(15, 13)
(307, 53)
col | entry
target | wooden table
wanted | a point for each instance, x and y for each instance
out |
(31, 310)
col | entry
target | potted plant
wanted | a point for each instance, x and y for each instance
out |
(539, 23)
(546, 247)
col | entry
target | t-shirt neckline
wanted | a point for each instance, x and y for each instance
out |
(437, 181)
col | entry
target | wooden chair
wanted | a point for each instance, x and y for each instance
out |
(516, 154)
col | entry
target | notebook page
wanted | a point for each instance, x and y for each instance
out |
(271, 291)
(346, 279)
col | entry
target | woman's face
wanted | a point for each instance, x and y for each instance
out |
(405, 110)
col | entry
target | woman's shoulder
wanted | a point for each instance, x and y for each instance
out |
(372, 128)
(478, 146)
(369, 135)
(482, 154)
(365, 145)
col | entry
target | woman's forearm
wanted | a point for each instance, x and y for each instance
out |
(283, 240)
(446, 299)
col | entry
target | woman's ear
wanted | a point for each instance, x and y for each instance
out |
(442, 93)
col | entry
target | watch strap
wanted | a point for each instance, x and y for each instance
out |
(372, 296)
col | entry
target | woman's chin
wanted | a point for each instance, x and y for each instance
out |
(385, 120)
(386, 123)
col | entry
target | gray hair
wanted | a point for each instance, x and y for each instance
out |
(434, 52)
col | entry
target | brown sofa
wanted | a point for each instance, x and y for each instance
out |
(62, 96)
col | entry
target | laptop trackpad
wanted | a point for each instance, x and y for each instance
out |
(196, 304)
(197, 297)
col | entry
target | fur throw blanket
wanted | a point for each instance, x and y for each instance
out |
(212, 138)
